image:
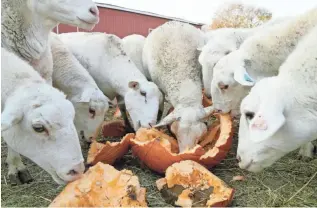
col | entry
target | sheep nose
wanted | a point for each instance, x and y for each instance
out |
(76, 170)
(94, 11)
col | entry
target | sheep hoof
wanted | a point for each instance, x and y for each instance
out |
(14, 179)
(25, 176)
(306, 152)
(304, 158)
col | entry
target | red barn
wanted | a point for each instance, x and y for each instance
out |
(123, 21)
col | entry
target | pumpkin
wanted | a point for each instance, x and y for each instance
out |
(189, 184)
(103, 186)
(110, 151)
(158, 151)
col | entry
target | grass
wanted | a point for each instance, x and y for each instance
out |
(289, 182)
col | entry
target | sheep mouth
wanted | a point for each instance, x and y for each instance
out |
(88, 22)
(57, 178)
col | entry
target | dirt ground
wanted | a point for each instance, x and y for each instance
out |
(289, 182)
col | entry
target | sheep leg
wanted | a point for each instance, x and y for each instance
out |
(161, 108)
(306, 151)
(18, 174)
(123, 111)
(160, 112)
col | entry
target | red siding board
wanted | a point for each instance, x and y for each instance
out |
(121, 23)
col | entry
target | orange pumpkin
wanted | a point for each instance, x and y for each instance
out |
(103, 186)
(188, 184)
(159, 151)
(109, 152)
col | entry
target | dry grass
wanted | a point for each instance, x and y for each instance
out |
(289, 182)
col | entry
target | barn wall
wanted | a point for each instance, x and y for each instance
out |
(121, 23)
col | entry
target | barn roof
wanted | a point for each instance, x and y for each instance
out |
(111, 6)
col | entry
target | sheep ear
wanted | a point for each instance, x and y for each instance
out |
(167, 120)
(242, 77)
(200, 49)
(134, 85)
(265, 124)
(84, 97)
(10, 117)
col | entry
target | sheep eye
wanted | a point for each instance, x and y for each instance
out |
(225, 87)
(227, 52)
(249, 115)
(143, 93)
(92, 111)
(39, 128)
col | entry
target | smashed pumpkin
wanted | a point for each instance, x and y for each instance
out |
(158, 151)
(188, 184)
(103, 186)
(110, 151)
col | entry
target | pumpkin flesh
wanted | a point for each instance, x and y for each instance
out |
(103, 186)
(109, 151)
(195, 186)
(159, 151)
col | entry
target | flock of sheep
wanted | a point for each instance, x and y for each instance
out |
(57, 88)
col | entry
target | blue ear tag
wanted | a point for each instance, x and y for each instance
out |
(247, 78)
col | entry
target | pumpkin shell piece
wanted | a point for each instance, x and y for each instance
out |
(197, 186)
(109, 152)
(158, 151)
(103, 186)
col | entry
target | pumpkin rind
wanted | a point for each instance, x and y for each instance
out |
(157, 155)
(194, 178)
(103, 186)
(109, 152)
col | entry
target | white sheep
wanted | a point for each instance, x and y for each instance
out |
(116, 75)
(133, 46)
(170, 52)
(279, 115)
(259, 56)
(37, 122)
(26, 26)
(221, 42)
(81, 89)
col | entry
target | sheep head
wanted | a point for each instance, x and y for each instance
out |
(142, 102)
(263, 127)
(211, 53)
(230, 83)
(90, 108)
(37, 122)
(187, 125)
(78, 13)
